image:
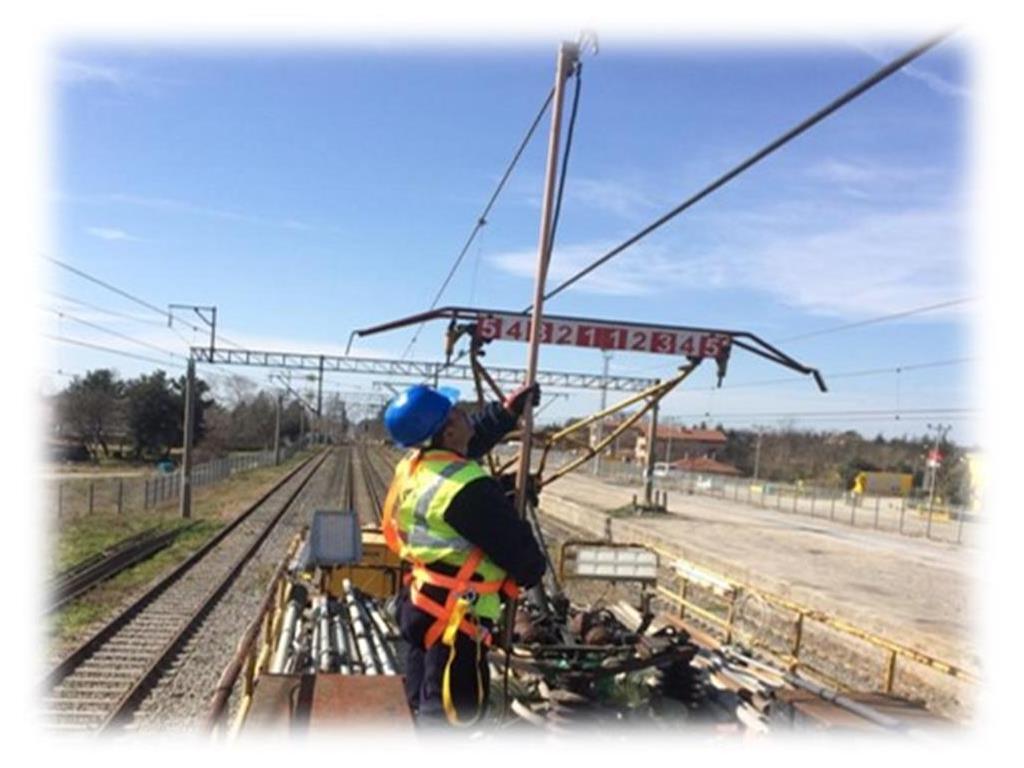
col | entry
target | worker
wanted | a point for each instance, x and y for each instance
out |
(458, 529)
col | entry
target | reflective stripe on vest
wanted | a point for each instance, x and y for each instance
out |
(420, 535)
(429, 481)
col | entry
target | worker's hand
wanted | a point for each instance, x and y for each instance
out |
(508, 484)
(515, 403)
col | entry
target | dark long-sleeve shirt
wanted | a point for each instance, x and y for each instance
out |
(483, 513)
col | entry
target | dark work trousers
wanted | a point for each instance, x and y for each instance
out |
(424, 668)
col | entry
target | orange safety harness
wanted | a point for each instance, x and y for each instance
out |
(462, 590)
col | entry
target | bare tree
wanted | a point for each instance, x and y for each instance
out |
(91, 407)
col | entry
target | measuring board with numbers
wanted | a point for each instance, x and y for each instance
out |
(604, 335)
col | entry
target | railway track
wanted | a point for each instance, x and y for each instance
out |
(374, 482)
(76, 581)
(99, 686)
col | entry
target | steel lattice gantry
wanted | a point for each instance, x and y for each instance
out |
(422, 370)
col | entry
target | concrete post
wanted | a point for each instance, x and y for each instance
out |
(604, 404)
(320, 399)
(186, 460)
(277, 432)
(652, 433)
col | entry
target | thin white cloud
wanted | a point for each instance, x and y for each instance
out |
(110, 233)
(617, 278)
(622, 199)
(933, 81)
(183, 206)
(874, 264)
(868, 173)
(71, 71)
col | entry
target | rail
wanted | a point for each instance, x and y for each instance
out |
(155, 653)
(75, 582)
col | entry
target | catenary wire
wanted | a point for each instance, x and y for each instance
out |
(164, 313)
(104, 310)
(112, 350)
(482, 218)
(119, 335)
(856, 374)
(880, 319)
(781, 141)
(565, 156)
(134, 318)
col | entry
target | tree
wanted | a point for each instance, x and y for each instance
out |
(91, 406)
(155, 409)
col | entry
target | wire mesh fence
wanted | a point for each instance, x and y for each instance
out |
(913, 517)
(73, 497)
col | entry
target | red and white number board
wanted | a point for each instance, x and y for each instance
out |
(590, 333)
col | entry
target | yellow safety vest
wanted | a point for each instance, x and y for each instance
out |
(425, 483)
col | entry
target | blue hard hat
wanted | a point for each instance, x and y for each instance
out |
(419, 412)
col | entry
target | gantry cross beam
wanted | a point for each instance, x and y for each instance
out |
(422, 370)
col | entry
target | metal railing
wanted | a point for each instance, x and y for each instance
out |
(893, 514)
(781, 627)
(74, 497)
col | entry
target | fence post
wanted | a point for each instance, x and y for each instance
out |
(928, 530)
(832, 511)
(120, 495)
(796, 495)
(853, 512)
(60, 498)
(91, 486)
(903, 511)
(890, 672)
(146, 494)
(960, 525)
(878, 502)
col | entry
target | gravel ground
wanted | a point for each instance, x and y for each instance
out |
(179, 702)
(915, 591)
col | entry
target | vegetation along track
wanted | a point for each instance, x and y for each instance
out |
(99, 685)
(76, 581)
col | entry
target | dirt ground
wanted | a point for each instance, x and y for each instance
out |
(912, 591)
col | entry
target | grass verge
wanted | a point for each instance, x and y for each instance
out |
(212, 508)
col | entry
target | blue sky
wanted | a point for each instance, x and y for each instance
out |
(308, 191)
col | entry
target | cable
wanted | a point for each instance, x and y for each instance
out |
(828, 414)
(112, 350)
(164, 313)
(117, 334)
(110, 312)
(791, 134)
(109, 287)
(882, 318)
(854, 374)
(565, 156)
(482, 218)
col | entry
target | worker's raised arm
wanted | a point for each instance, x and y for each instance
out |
(496, 420)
